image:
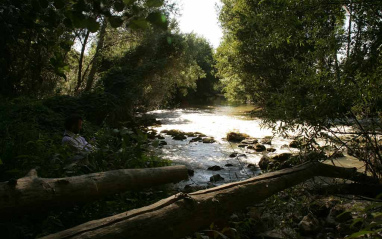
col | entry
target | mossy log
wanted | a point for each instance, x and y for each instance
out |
(183, 214)
(32, 192)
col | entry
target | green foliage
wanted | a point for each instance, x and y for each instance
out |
(308, 63)
(38, 34)
(33, 34)
(200, 53)
(369, 220)
(31, 133)
(231, 81)
(146, 76)
(28, 134)
(123, 148)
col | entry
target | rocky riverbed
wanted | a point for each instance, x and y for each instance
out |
(223, 144)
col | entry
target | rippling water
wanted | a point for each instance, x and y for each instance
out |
(217, 121)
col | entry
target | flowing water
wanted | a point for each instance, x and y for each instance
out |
(217, 121)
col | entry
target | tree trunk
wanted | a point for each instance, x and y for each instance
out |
(350, 10)
(80, 61)
(97, 57)
(183, 214)
(32, 192)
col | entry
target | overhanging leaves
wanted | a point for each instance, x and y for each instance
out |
(157, 19)
(154, 3)
(139, 23)
(115, 21)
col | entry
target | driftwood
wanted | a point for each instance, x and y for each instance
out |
(34, 192)
(183, 214)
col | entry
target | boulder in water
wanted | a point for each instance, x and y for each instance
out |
(236, 137)
(264, 162)
(249, 141)
(190, 134)
(252, 166)
(215, 168)
(208, 140)
(216, 178)
(160, 136)
(197, 139)
(190, 172)
(162, 143)
(282, 157)
(233, 155)
(260, 148)
(267, 140)
(179, 137)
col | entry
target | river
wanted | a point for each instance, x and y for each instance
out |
(216, 121)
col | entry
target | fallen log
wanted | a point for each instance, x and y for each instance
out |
(183, 214)
(34, 192)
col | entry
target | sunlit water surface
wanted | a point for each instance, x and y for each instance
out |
(217, 121)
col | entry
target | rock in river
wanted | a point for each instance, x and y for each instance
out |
(282, 157)
(267, 140)
(215, 168)
(216, 178)
(162, 143)
(264, 162)
(260, 148)
(233, 155)
(197, 139)
(236, 137)
(208, 140)
(252, 166)
(190, 172)
(249, 141)
(179, 137)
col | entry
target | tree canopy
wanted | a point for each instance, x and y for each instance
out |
(299, 56)
(306, 62)
(38, 34)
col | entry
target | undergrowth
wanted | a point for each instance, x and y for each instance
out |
(30, 138)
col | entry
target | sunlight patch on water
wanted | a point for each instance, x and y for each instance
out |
(216, 122)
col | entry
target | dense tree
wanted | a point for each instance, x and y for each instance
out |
(307, 62)
(200, 50)
(147, 75)
(38, 34)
